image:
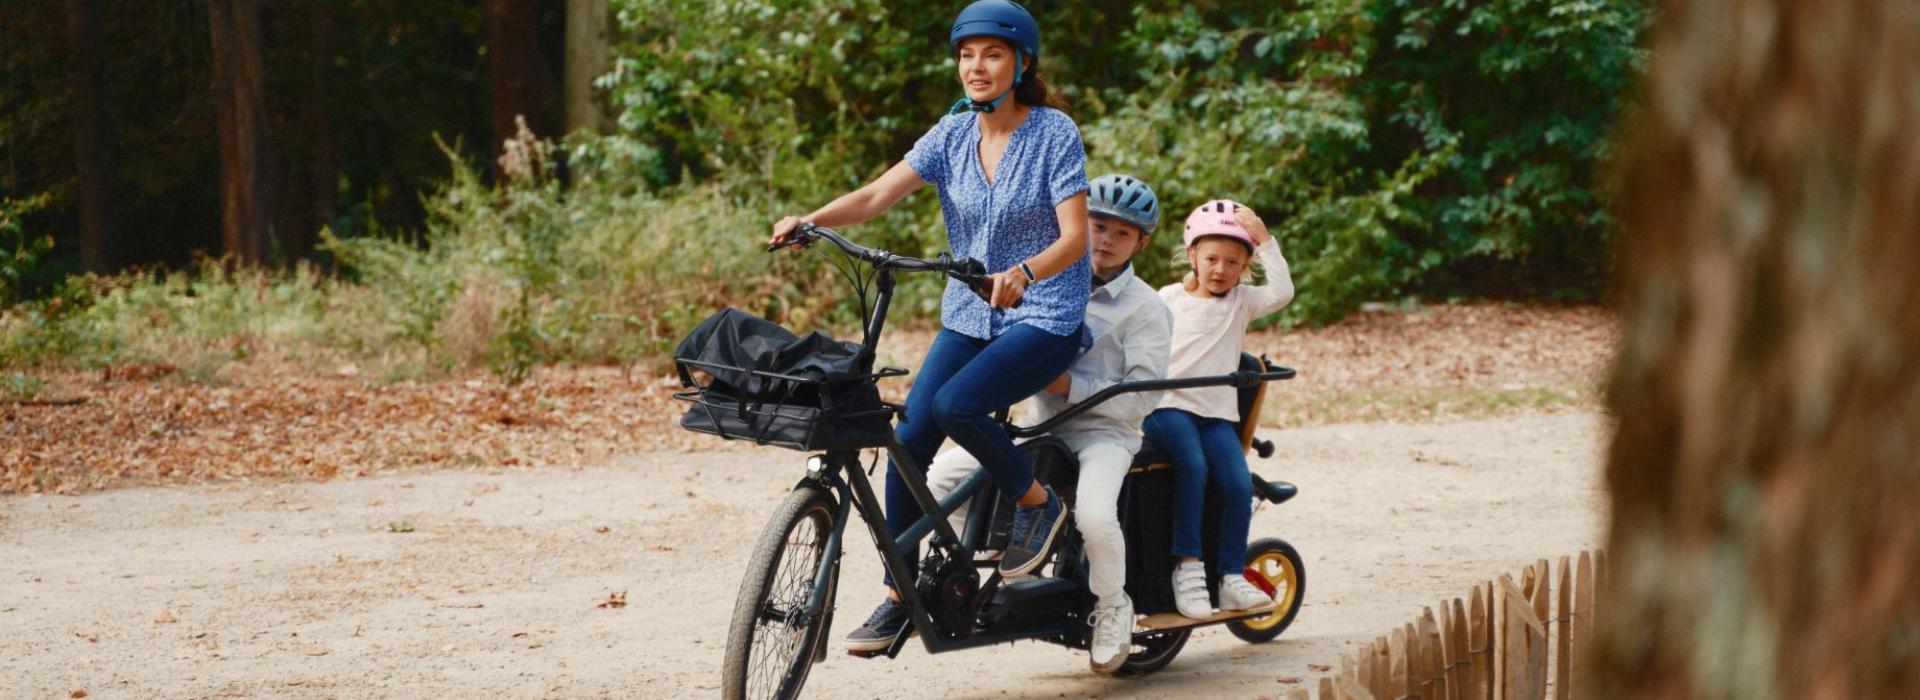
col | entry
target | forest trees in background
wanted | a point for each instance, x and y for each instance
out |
(120, 112)
(1401, 147)
(92, 159)
(247, 172)
(589, 49)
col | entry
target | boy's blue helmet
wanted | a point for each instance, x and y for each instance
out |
(1124, 198)
(1002, 19)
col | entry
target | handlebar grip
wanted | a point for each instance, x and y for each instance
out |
(795, 239)
(973, 273)
(982, 288)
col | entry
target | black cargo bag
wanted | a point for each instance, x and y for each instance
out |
(751, 379)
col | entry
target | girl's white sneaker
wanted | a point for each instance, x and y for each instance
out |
(1190, 590)
(1237, 593)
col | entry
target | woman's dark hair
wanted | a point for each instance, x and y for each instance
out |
(1033, 91)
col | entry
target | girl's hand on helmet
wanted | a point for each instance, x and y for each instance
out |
(783, 229)
(1008, 285)
(1251, 221)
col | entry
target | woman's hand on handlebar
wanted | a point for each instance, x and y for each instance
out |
(783, 231)
(1008, 286)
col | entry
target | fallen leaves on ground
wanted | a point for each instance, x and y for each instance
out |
(1410, 365)
(269, 421)
(264, 419)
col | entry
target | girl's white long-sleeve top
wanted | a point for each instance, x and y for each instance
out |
(1208, 333)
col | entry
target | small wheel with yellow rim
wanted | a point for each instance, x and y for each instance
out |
(1274, 562)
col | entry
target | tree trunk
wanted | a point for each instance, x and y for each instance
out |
(246, 169)
(587, 51)
(1765, 473)
(521, 86)
(323, 164)
(92, 154)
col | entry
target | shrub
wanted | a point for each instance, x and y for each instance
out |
(21, 253)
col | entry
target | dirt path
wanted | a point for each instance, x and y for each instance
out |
(307, 590)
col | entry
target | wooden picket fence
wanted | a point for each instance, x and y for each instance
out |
(1507, 641)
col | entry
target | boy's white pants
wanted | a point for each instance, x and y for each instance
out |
(1103, 466)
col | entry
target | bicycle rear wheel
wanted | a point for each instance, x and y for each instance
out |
(1277, 562)
(771, 641)
(1153, 651)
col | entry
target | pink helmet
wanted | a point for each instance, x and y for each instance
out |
(1216, 218)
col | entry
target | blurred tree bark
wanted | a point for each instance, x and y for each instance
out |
(246, 161)
(92, 152)
(519, 71)
(1765, 473)
(588, 39)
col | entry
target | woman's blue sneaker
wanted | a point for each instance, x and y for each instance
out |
(886, 623)
(1034, 530)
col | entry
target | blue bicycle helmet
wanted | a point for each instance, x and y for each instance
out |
(1000, 19)
(1126, 199)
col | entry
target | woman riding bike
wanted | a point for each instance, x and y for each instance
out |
(1011, 175)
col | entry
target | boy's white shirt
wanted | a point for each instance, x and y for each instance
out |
(1208, 333)
(1132, 332)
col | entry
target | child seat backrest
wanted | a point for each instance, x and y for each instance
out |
(1250, 398)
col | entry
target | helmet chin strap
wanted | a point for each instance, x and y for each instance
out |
(967, 104)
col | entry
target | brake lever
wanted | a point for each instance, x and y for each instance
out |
(973, 273)
(794, 240)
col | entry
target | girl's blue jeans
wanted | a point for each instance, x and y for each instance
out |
(962, 382)
(1207, 456)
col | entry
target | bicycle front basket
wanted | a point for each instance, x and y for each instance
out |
(751, 379)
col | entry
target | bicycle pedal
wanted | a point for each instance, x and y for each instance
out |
(866, 653)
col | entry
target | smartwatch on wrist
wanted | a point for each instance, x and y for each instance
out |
(1028, 271)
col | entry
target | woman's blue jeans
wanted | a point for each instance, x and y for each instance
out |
(962, 382)
(1207, 456)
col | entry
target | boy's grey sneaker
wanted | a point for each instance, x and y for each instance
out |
(1034, 530)
(887, 622)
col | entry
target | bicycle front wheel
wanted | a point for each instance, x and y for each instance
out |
(771, 640)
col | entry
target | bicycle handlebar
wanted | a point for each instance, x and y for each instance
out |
(968, 271)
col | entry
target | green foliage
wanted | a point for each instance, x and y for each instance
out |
(1396, 146)
(1529, 89)
(21, 253)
